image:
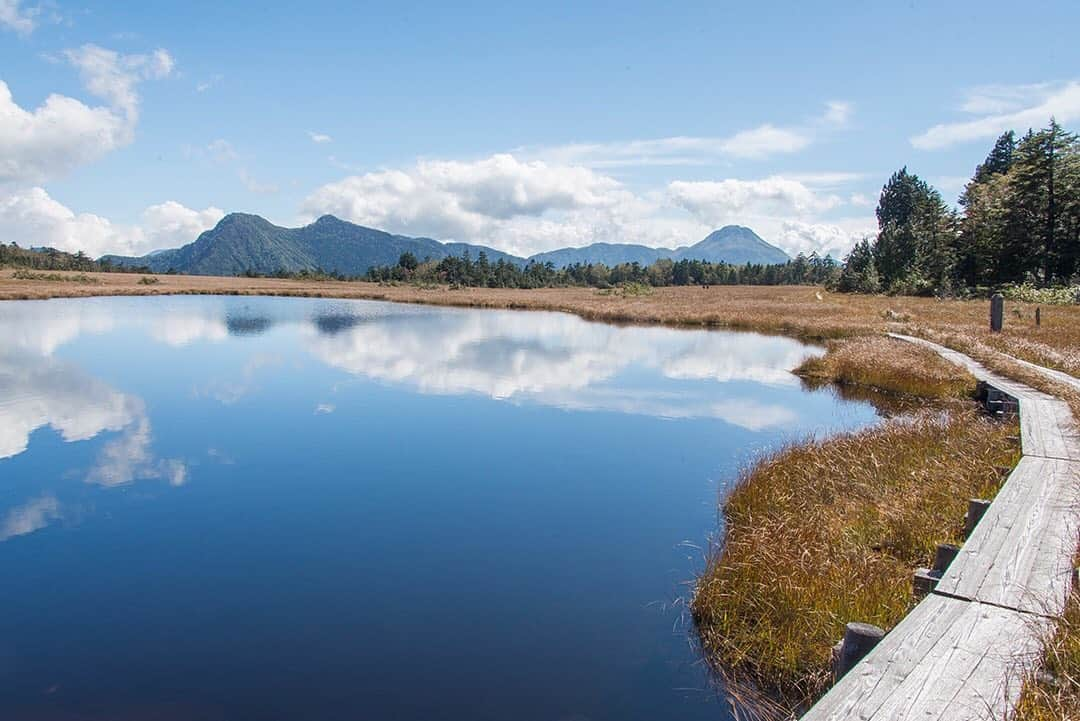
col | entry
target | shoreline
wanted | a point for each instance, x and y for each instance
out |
(806, 313)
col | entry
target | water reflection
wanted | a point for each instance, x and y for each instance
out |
(328, 479)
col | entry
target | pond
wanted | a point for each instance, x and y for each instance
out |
(265, 508)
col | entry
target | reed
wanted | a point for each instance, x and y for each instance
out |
(828, 531)
(888, 365)
(1053, 694)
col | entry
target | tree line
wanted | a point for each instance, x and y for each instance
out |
(1018, 222)
(464, 271)
(14, 256)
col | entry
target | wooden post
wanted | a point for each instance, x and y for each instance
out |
(923, 582)
(944, 555)
(997, 312)
(976, 508)
(859, 640)
(1038, 315)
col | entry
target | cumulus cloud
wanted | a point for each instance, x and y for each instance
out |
(32, 217)
(521, 205)
(14, 16)
(64, 133)
(525, 207)
(726, 201)
(55, 138)
(826, 238)
(1005, 108)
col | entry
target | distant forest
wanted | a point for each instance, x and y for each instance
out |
(13, 256)
(1017, 226)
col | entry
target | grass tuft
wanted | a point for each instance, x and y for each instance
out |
(888, 365)
(828, 532)
(1054, 693)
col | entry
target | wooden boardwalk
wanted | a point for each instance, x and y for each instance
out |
(962, 652)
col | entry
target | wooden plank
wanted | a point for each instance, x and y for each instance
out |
(1047, 429)
(1020, 554)
(867, 686)
(981, 372)
(948, 659)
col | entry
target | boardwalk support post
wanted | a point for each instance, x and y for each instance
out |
(976, 508)
(997, 312)
(859, 640)
(945, 554)
(925, 580)
(1038, 316)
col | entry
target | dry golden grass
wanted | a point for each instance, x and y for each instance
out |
(909, 371)
(1054, 694)
(804, 312)
(829, 532)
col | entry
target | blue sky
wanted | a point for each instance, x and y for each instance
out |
(129, 127)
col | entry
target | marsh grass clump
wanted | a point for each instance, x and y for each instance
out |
(889, 365)
(829, 531)
(1053, 694)
(149, 280)
(54, 277)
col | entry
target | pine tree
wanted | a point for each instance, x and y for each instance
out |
(1042, 223)
(915, 247)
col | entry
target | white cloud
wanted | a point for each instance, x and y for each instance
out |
(57, 137)
(64, 133)
(784, 211)
(522, 206)
(827, 238)
(32, 217)
(1005, 108)
(763, 141)
(15, 17)
(320, 137)
(171, 224)
(752, 143)
(727, 201)
(114, 77)
(525, 207)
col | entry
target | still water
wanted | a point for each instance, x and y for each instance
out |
(264, 508)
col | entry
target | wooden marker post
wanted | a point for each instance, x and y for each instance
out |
(997, 312)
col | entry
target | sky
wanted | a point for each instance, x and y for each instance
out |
(131, 127)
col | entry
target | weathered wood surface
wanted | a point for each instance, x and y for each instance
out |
(948, 659)
(1047, 430)
(1020, 554)
(963, 651)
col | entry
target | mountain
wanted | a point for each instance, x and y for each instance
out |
(242, 242)
(732, 244)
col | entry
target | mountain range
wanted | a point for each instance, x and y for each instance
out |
(241, 242)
